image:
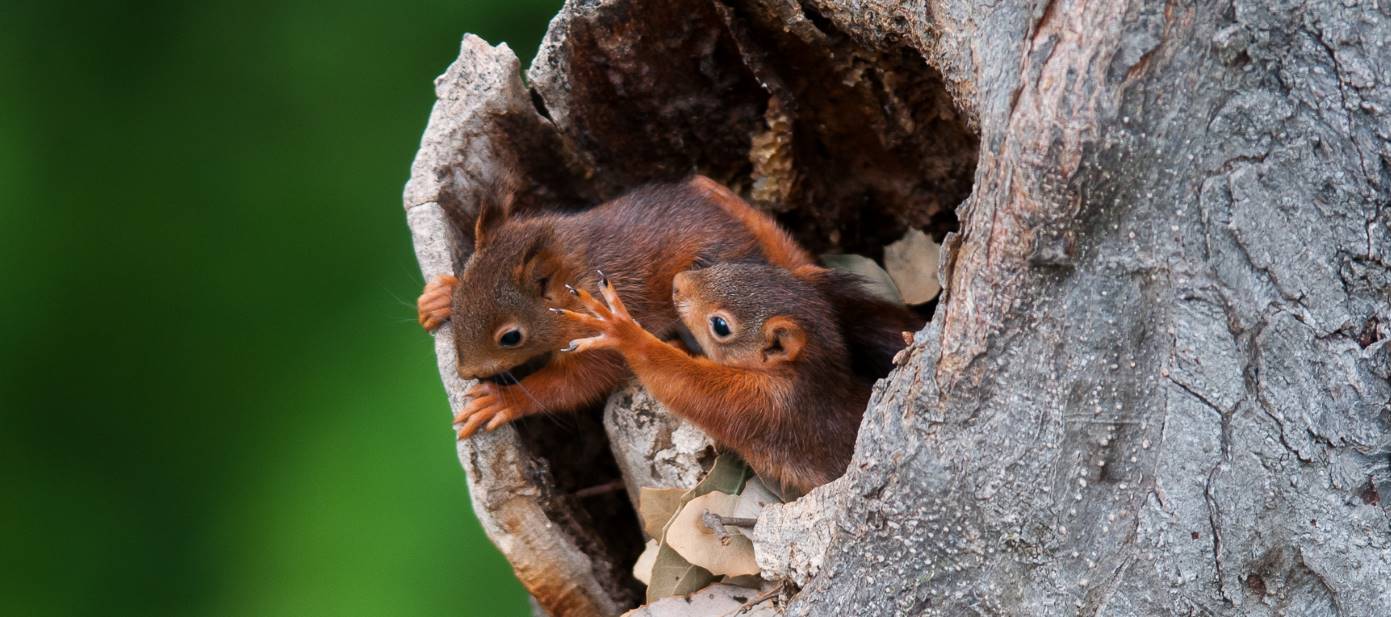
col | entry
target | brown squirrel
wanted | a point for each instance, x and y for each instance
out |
(505, 337)
(777, 383)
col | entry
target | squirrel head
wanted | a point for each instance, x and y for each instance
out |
(751, 315)
(500, 319)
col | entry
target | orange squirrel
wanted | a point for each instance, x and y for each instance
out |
(777, 383)
(505, 337)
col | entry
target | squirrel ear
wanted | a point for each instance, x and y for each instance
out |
(493, 209)
(783, 340)
(542, 265)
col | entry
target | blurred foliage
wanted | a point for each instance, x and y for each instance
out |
(213, 397)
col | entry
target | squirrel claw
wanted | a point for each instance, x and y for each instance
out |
(599, 341)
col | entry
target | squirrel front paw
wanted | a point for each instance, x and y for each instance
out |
(432, 308)
(491, 404)
(614, 325)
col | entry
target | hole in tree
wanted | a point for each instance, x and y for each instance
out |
(877, 144)
(873, 146)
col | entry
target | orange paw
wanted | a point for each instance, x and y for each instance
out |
(610, 319)
(432, 308)
(489, 407)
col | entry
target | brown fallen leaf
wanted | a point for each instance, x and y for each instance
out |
(912, 264)
(876, 279)
(672, 575)
(689, 536)
(656, 506)
(716, 600)
(642, 570)
(755, 496)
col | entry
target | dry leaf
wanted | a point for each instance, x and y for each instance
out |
(656, 506)
(877, 281)
(672, 575)
(689, 536)
(754, 497)
(727, 475)
(642, 570)
(912, 263)
(748, 581)
(717, 600)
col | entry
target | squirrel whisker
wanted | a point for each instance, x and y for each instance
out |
(518, 383)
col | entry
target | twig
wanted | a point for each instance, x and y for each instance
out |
(717, 524)
(601, 489)
(763, 597)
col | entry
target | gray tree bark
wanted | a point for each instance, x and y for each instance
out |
(1159, 379)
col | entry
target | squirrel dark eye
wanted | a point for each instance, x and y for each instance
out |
(510, 338)
(720, 327)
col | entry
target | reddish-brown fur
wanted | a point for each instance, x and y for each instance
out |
(869, 324)
(778, 247)
(643, 240)
(520, 264)
(781, 391)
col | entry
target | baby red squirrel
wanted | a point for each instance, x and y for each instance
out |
(505, 338)
(777, 383)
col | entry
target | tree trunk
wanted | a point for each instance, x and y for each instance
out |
(1158, 380)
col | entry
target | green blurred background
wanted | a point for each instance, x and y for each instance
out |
(215, 400)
